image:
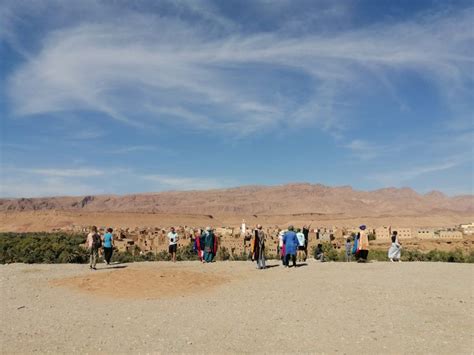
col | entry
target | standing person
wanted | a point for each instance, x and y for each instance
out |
(108, 245)
(348, 250)
(290, 241)
(173, 243)
(281, 246)
(197, 244)
(209, 245)
(300, 236)
(243, 229)
(394, 253)
(355, 246)
(363, 244)
(259, 247)
(306, 240)
(93, 243)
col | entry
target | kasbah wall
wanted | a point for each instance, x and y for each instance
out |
(154, 239)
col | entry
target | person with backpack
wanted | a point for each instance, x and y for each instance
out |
(93, 243)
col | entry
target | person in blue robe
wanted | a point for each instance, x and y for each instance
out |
(290, 241)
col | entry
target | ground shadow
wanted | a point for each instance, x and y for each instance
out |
(112, 267)
(301, 264)
(270, 266)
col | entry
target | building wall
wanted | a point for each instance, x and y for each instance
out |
(382, 233)
(450, 234)
(403, 233)
(425, 233)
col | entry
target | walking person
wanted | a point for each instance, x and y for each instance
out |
(108, 246)
(93, 243)
(259, 247)
(290, 242)
(395, 251)
(173, 243)
(300, 254)
(348, 246)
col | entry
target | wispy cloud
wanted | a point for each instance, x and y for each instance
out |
(365, 150)
(44, 187)
(146, 70)
(184, 183)
(133, 148)
(402, 175)
(53, 172)
(40, 182)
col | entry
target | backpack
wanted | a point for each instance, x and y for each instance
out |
(96, 241)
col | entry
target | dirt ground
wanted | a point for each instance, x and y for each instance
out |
(230, 307)
(43, 221)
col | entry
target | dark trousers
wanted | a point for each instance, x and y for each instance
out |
(363, 255)
(287, 259)
(108, 254)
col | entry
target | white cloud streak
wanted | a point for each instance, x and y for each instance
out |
(365, 150)
(60, 181)
(183, 183)
(132, 149)
(146, 70)
(80, 172)
(399, 176)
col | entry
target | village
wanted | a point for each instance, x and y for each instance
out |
(154, 239)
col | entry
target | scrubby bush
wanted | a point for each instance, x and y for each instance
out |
(223, 254)
(42, 248)
(67, 248)
(186, 253)
(330, 254)
(378, 255)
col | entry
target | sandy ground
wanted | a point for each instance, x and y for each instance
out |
(41, 221)
(230, 307)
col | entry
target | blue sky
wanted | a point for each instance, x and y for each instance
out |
(140, 96)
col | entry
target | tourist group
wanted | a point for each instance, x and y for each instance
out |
(292, 246)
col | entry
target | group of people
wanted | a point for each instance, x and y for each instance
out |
(292, 246)
(96, 244)
(204, 244)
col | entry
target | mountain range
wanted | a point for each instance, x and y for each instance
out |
(301, 198)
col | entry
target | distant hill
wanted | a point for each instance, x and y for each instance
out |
(260, 200)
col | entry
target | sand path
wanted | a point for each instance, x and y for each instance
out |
(230, 307)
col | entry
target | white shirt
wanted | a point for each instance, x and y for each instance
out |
(300, 237)
(280, 238)
(173, 237)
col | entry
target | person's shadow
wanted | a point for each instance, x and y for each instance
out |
(108, 267)
(271, 266)
(302, 264)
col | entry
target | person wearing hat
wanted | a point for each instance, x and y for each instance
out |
(363, 246)
(259, 247)
(290, 241)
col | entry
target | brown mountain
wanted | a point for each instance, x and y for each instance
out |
(260, 200)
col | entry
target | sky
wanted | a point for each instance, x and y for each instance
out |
(131, 96)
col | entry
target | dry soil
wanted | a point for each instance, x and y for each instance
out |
(230, 307)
